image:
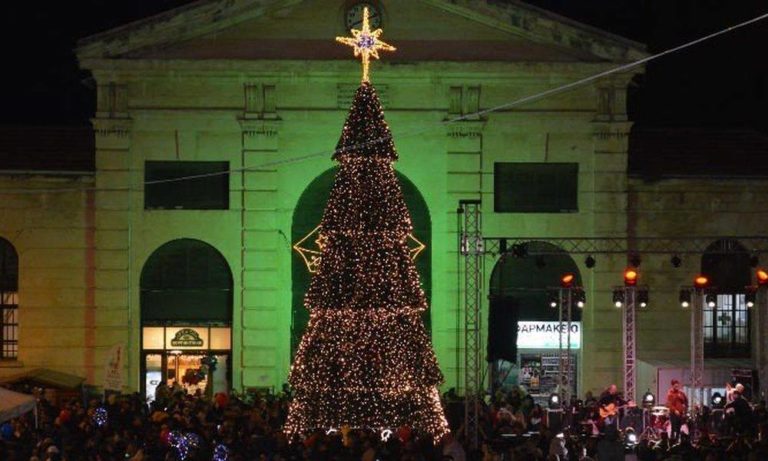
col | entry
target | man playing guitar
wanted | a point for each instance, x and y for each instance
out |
(677, 403)
(610, 403)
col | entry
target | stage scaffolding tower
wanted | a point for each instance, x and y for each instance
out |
(472, 249)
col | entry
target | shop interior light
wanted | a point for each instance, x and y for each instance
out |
(554, 401)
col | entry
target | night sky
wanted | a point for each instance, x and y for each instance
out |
(721, 83)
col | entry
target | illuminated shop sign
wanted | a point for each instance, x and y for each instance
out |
(546, 335)
(187, 337)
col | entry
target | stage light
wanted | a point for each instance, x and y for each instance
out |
(642, 297)
(750, 297)
(717, 401)
(676, 261)
(553, 298)
(630, 276)
(685, 298)
(711, 300)
(520, 250)
(554, 401)
(566, 281)
(762, 277)
(579, 297)
(618, 297)
(590, 262)
(649, 399)
(701, 281)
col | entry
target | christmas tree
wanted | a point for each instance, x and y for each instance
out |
(365, 360)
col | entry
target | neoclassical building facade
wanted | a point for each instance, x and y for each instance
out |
(213, 137)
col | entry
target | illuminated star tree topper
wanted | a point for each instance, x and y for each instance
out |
(366, 44)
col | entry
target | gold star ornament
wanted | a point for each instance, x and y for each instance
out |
(366, 44)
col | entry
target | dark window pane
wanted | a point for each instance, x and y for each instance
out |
(536, 187)
(205, 185)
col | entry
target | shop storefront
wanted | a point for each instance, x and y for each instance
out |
(538, 364)
(176, 354)
(186, 319)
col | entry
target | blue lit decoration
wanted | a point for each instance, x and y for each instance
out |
(183, 443)
(100, 417)
(221, 453)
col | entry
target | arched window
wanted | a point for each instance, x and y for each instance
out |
(9, 301)
(186, 280)
(727, 325)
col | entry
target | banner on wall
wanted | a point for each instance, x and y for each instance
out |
(113, 368)
(546, 335)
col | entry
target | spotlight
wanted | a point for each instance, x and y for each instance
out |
(676, 261)
(717, 401)
(631, 437)
(635, 261)
(630, 276)
(553, 298)
(520, 250)
(579, 297)
(566, 281)
(702, 281)
(762, 277)
(649, 399)
(750, 297)
(590, 262)
(754, 261)
(642, 297)
(554, 401)
(685, 298)
(711, 300)
(618, 297)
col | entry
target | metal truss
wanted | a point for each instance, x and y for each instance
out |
(630, 345)
(472, 249)
(629, 245)
(697, 349)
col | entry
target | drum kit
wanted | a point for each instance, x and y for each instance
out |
(658, 422)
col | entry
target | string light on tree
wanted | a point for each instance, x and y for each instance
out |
(365, 360)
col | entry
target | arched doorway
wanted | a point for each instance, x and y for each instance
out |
(186, 315)
(307, 216)
(519, 302)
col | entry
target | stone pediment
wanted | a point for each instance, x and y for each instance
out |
(423, 30)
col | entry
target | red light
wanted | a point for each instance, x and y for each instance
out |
(567, 280)
(762, 276)
(630, 276)
(701, 281)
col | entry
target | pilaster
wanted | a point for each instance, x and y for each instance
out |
(264, 361)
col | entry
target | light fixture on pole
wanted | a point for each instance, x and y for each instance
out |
(685, 298)
(618, 297)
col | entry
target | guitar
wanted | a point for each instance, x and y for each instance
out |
(607, 411)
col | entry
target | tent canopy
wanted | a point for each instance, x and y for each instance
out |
(14, 404)
(45, 378)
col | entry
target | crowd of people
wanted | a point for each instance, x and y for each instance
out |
(177, 426)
